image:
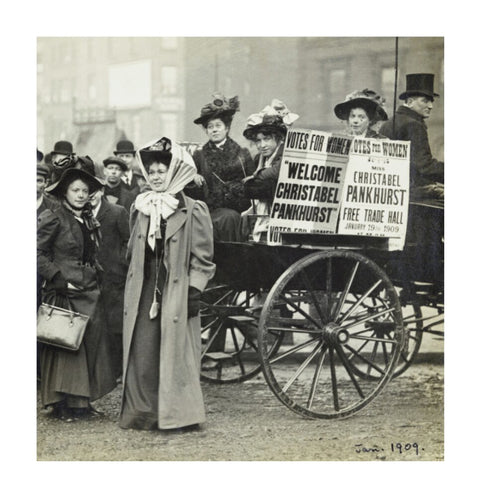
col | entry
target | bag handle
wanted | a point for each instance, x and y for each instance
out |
(69, 305)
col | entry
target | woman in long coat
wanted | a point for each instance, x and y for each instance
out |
(222, 164)
(66, 259)
(171, 251)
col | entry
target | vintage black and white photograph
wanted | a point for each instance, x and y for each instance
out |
(247, 236)
(239, 246)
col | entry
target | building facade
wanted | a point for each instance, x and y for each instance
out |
(95, 91)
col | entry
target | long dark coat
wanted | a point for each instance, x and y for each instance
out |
(112, 256)
(87, 372)
(410, 126)
(223, 170)
(115, 230)
(122, 194)
(188, 254)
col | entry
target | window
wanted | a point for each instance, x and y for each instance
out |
(168, 125)
(168, 80)
(129, 84)
(337, 85)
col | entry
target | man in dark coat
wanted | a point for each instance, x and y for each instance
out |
(409, 124)
(116, 191)
(111, 256)
(426, 222)
(126, 151)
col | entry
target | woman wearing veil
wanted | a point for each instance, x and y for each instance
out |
(170, 252)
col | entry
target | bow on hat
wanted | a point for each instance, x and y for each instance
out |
(271, 113)
(366, 93)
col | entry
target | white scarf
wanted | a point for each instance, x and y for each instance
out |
(161, 205)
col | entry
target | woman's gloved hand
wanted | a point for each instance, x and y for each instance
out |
(193, 301)
(59, 283)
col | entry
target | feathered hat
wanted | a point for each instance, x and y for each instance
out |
(273, 117)
(366, 99)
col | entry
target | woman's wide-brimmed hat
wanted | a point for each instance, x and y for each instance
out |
(273, 118)
(419, 84)
(124, 147)
(115, 160)
(59, 188)
(366, 99)
(62, 147)
(219, 107)
(159, 151)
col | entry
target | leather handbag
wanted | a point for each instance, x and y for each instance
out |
(63, 328)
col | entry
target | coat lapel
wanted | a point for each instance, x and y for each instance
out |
(75, 228)
(175, 222)
(177, 219)
(104, 207)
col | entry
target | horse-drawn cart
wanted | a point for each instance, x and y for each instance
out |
(328, 318)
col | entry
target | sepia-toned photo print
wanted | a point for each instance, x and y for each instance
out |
(240, 248)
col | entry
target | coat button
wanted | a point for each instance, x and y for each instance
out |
(139, 236)
(174, 239)
(175, 319)
(125, 313)
(175, 280)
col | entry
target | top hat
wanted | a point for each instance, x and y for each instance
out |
(124, 147)
(219, 107)
(419, 84)
(115, 160)
(39, 156)
(62, 147)
(68, 176)
(367, 100)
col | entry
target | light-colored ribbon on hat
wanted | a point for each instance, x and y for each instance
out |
(276, 108)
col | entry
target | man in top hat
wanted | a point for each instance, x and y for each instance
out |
(425, 221)
(116, 190)
(409, 124)
(126, 151)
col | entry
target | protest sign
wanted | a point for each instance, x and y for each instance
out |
(341, 184)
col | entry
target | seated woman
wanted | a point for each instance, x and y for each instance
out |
(170, 251)
(267, 130)
(361, 111)
(222, 165)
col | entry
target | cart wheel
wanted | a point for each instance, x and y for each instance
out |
(229, 335)
(413, 323)
(343, 308)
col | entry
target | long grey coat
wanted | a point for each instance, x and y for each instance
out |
(188, 262)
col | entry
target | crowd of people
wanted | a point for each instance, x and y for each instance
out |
(130, 243)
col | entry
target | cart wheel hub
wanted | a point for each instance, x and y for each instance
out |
(333, 334)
